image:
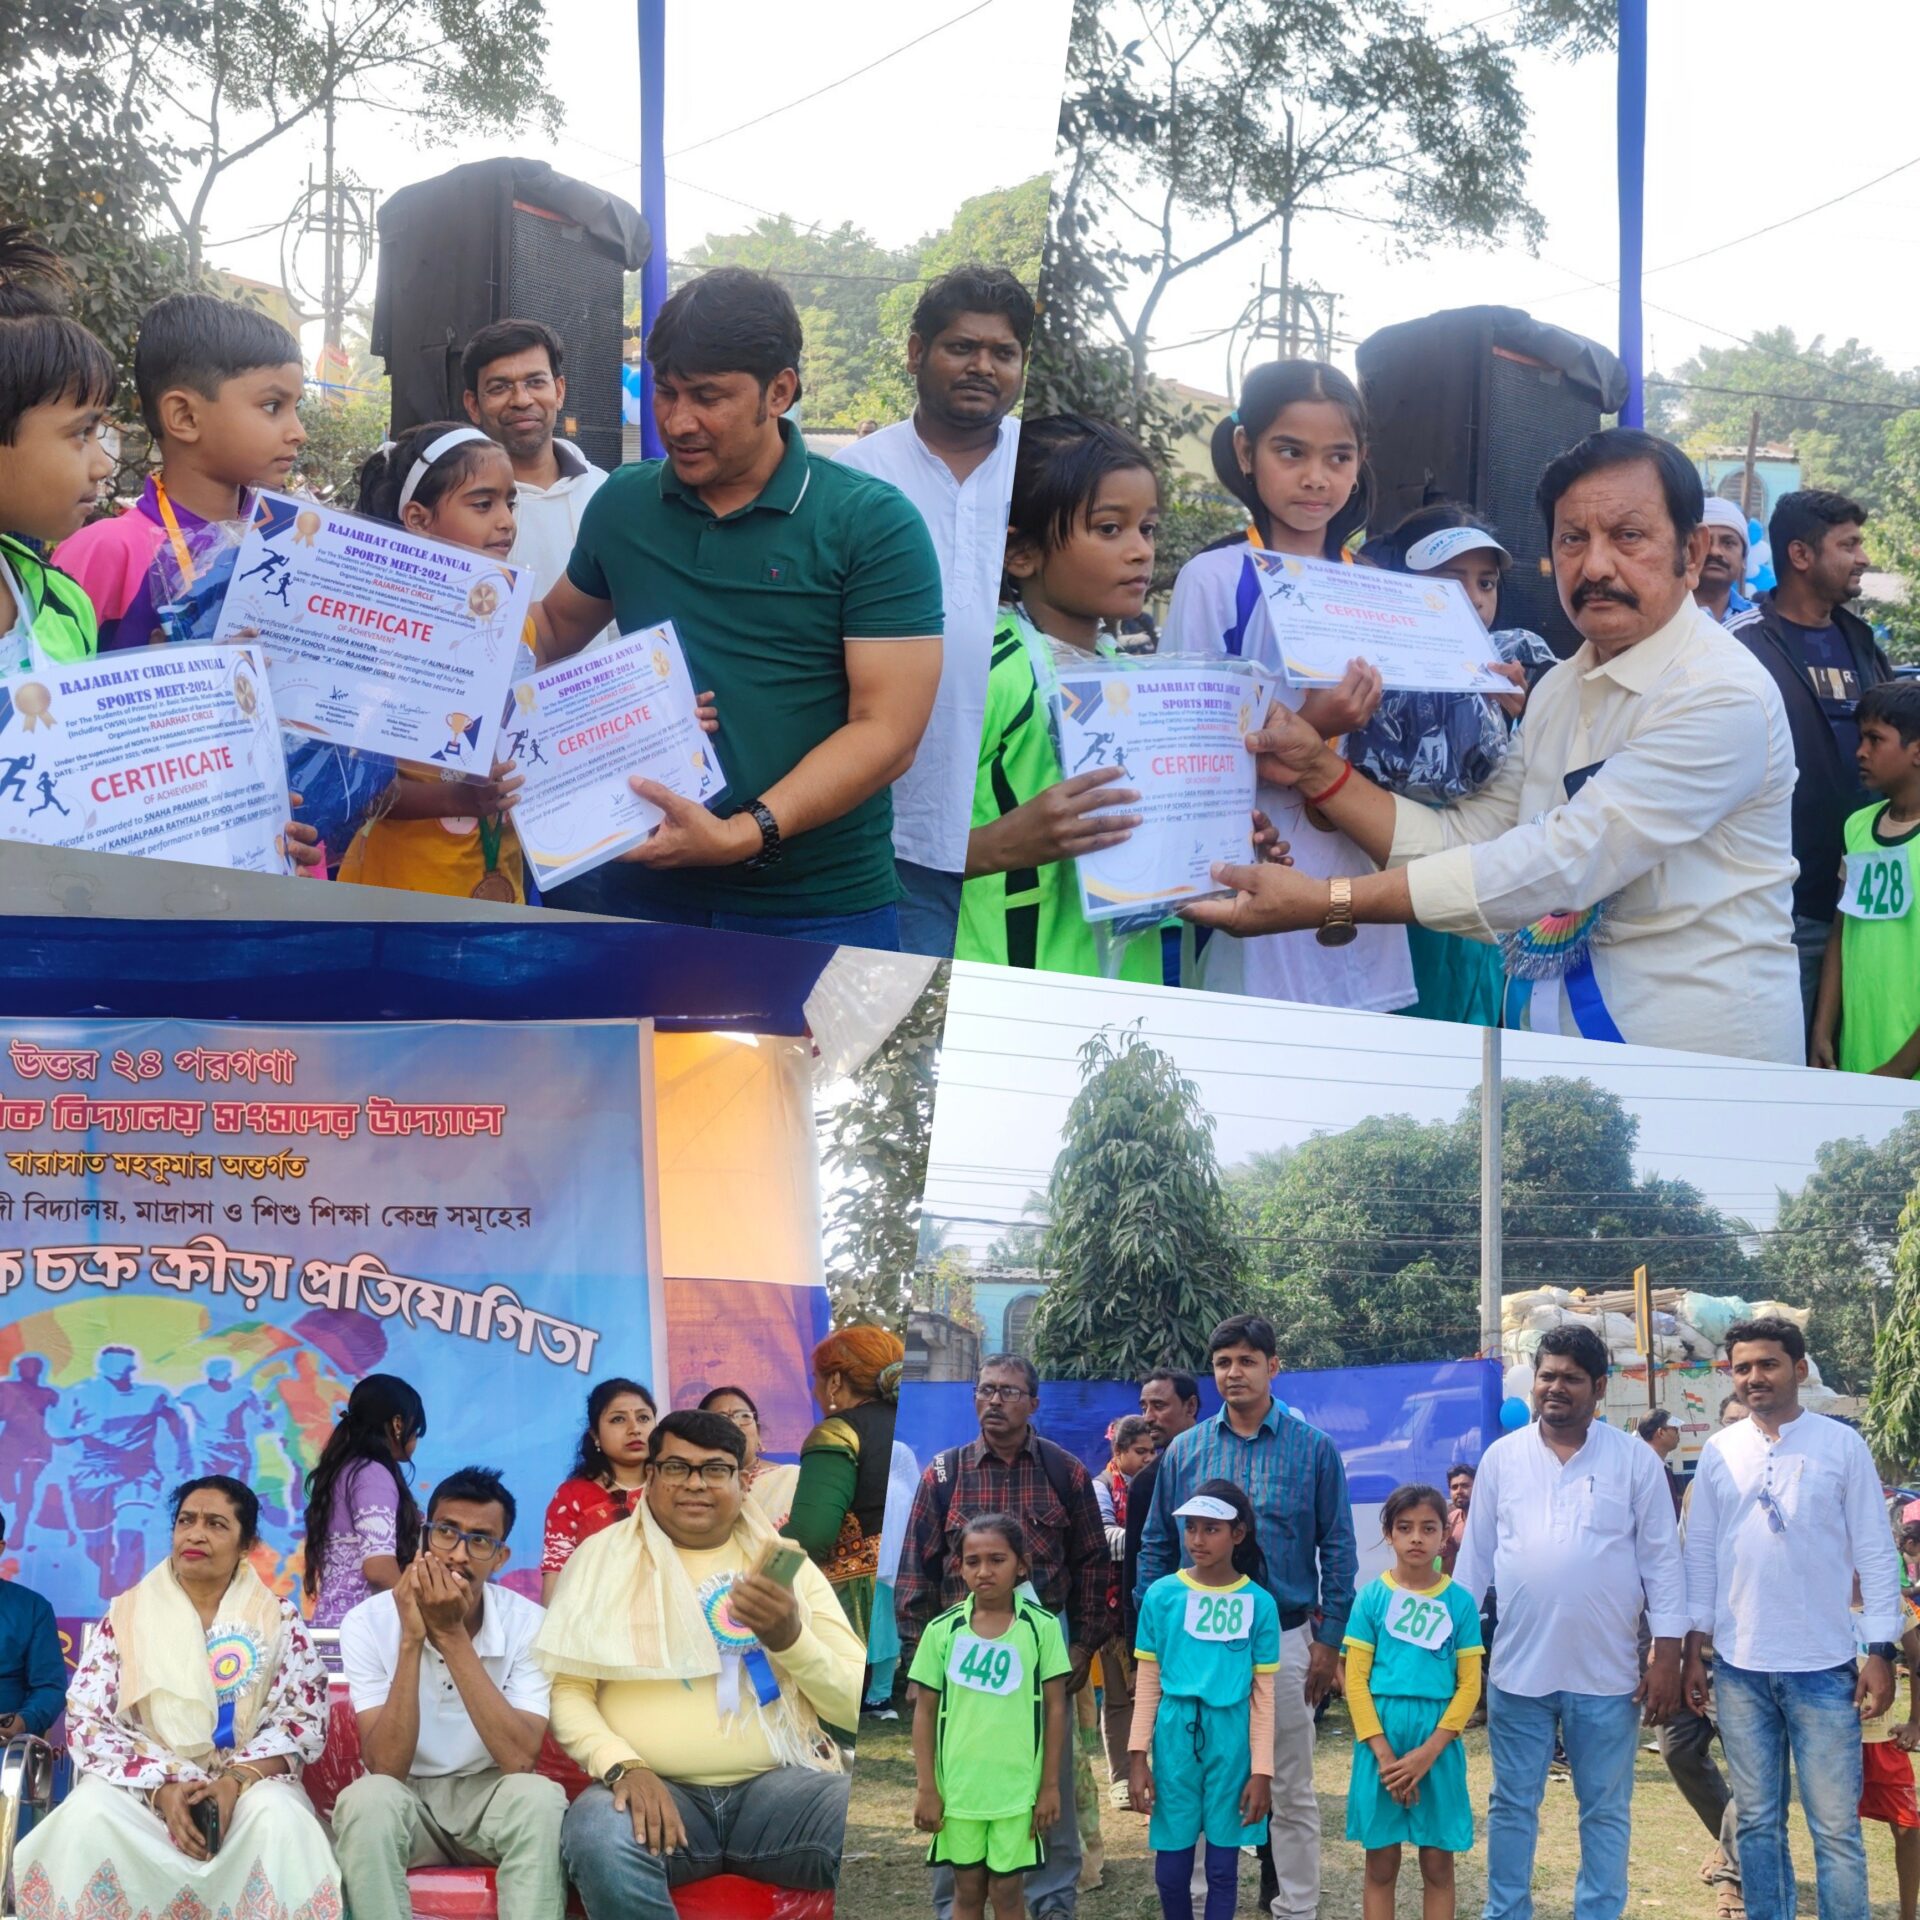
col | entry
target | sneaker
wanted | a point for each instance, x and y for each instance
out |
(883, 1711)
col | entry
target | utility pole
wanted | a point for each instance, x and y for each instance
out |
(334, 230)
(1491, 1097)
(1746, 483)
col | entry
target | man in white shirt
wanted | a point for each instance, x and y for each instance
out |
(515, 394)
(1572, 1524)
(967, 353)
(1786, 1513)
(452, 1707)
(1644, 812)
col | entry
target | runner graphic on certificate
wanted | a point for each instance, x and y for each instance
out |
(1420, 630)
(1177, 728)
(578, 730)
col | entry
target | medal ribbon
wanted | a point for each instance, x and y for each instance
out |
(174, 535)
(490, 836)
(223, 1725)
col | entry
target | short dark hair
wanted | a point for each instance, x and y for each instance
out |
(504, 337)
(1769, 1326)
(1651, 1423)
(1581, 1345)
(1012, 1363)
(1184, 1385)
(1460, 1467)
(731, 320)
(721, 1393)
(1244, 1329)
(45, 356)
(244, 1501)
(1057, 470)
(478, 1486)
(1005, 1525)
(1808, 516)
(1404, 1499)
(1892, 703)
(974, 290)
(1624, 447)
(710, 1432)
(201, 341)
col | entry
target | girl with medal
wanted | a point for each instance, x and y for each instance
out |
(1295, 454)
(989, 1724)
(1207, 1647)
(1412, 1681)
(436, 834)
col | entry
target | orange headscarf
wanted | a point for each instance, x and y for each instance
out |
(868, 1358)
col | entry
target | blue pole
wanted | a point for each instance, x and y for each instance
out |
(1632, 122)
(653, 196)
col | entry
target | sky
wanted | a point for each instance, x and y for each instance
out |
(1275, 1074)
(894, 150)
(1755, 112)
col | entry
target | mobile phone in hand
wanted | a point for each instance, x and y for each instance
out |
(206, 1816)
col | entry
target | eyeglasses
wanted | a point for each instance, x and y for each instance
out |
(676, 1472)
(446, 1537)
(999, 1393)
(743, 1418)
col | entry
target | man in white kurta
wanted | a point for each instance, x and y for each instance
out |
(1650, 783)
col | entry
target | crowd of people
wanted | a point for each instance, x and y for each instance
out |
(1564, 1590)
(679, 1702)
(1654, 840)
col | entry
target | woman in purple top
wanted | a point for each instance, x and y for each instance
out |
(363, 1524)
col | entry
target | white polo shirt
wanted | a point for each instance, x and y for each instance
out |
(449, 1743)
(1574, 1551)
(933, 799)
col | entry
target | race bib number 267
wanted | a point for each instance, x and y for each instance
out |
(1420, 1620)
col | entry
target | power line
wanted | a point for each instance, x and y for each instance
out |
(1807, 399)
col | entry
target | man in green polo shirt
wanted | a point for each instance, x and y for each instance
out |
(806, 595)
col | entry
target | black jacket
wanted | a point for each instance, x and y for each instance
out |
(1139, 1505)
(1828, 788)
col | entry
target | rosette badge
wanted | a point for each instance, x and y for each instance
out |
(34, 704)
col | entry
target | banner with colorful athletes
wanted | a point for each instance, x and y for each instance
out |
(209, 1232)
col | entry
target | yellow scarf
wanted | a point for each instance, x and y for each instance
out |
(168, 1663)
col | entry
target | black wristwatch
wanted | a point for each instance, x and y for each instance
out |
(1882, 1650)
(619, 1771)
(770, 847)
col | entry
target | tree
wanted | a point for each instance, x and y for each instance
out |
(1893, 534)
(1226, 120)
(873, 1147)
(1140, 1236)
(1893, 1413)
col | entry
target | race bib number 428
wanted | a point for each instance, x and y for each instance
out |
(1419, 1620)
(984, 1666)
(1219, 1616)
(1878, 885)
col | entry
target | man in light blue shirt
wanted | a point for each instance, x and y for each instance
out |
(1724, 571)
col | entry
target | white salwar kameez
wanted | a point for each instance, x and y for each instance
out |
(104, 1854)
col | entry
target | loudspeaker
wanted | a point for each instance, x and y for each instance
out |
(498, 240)
(1470, 405)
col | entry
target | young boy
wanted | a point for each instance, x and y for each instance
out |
(1870, 983)
(1886, 1770)
(56, 383)
(219, 388)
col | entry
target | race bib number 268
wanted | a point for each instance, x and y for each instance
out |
(1219, 1616)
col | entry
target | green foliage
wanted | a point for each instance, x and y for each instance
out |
(945, 1286)
(1192, 515)
(1834, 1247)
(1893, 535)
(1139, 1240)
(1893, 1413)
(341, 433)
(873, 1149)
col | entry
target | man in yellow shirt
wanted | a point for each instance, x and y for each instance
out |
(694, 1689)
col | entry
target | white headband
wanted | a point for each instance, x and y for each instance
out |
(1205, 1506)
(1438, 548)
(430, 457)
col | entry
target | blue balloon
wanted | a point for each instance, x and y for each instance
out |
(1513, 1413)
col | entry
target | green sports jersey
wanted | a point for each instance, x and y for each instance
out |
(1880, 956)
(989, 1746)
(53, 608)
(1031, 916)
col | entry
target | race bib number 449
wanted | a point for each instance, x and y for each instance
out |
(984, 1666)
(1419, 1620)
(1219, 1616)
(1878, 885)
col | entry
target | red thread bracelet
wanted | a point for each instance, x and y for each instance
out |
(1320, 799)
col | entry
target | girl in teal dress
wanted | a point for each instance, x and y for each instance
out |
(1412, 1680)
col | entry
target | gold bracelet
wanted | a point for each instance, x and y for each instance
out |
(247, 1767)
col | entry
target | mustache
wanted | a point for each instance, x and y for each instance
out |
(1588, 591)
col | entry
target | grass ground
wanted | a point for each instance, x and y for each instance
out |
(884, 1876)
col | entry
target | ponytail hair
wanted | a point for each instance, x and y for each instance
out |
(361, 1435)
(383, 475)
(1247, 1557)
(1269, 390)
(45, 356)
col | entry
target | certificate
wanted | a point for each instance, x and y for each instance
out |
(375, 637)
(1420, 630)
(171, 752)
(577, 729)
(1177, 729)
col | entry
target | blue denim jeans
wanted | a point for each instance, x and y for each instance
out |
(929, 909)
(1768, 1720)
(1601, 1733)
(786, 1828)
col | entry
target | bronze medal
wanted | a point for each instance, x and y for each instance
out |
(494, 886)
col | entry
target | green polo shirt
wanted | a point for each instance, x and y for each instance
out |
(763, 600)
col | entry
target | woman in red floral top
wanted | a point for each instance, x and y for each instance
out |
(606, 1478)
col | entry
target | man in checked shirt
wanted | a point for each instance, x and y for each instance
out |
(1011, 1469)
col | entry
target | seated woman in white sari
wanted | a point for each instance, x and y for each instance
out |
(189, 1719)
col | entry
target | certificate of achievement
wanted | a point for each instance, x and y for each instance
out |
(1421, 631)
(1177, 729)
(171, 752)
(577, 729)
(375, 637)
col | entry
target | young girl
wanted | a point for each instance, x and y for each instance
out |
(363, 1523)
(989, 1725)
(1295, 453)
(1412, 1679)
(1080, 536)
(436, 835)
(1207, 1648)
